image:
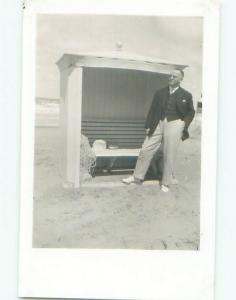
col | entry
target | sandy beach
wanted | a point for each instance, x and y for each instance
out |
(106, 214)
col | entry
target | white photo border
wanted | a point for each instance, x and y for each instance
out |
(121, 274)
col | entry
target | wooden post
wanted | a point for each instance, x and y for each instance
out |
(70, 123)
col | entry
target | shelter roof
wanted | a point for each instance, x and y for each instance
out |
(118, 60)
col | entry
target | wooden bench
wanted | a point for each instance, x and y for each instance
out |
(113, 155)
(116, 152)
(128, 136)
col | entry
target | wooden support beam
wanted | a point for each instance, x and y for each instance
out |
(70, 122)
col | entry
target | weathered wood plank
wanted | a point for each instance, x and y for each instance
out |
(124, 134)
(73, 126)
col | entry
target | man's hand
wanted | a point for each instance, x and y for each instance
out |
(185, 134)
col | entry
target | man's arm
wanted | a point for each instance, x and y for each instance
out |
(188, 117)
(190, 111)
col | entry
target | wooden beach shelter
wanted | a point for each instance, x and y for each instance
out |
(115, 88)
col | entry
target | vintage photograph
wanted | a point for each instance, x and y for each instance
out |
(117, 137)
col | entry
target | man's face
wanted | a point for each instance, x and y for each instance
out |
(175, 78)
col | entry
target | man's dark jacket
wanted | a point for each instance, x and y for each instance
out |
(184, 108)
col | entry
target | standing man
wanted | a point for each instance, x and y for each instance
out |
(167, 122)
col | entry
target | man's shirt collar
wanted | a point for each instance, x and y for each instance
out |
(173, 90)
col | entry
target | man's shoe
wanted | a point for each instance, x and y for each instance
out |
(131, 179)
(164, 188)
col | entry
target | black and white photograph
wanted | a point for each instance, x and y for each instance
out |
(118, 151)
(117, 158)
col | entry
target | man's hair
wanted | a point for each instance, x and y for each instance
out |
(182, 72)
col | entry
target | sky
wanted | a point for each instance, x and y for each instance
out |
(175, 39)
